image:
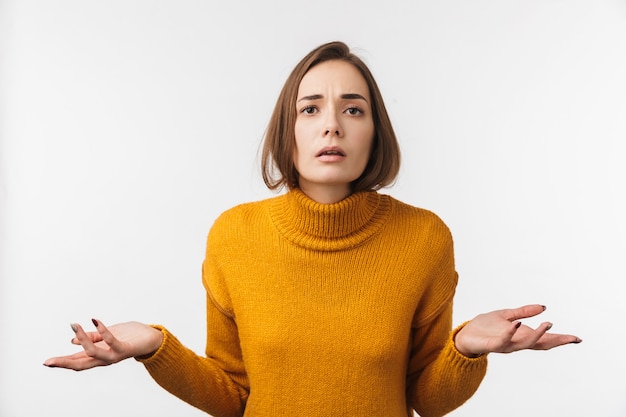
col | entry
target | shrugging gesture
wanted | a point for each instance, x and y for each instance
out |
(339, 297)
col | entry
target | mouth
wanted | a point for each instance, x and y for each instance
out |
(331, 151)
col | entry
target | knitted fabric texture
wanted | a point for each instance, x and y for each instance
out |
(315, 309)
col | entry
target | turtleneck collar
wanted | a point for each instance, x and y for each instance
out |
(335, 226)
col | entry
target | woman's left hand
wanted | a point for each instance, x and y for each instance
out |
(500, 331)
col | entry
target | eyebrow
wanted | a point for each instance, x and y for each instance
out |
(347, 96)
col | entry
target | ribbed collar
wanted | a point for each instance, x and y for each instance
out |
(336, 226)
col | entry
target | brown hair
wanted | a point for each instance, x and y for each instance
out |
(278, 168)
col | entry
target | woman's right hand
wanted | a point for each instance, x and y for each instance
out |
(109, 345)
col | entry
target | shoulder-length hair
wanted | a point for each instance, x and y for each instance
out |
(278, 168)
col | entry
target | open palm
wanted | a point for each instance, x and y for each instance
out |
(500, 331)
(107, 346)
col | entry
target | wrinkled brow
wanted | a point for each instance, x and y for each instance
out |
(348, 96)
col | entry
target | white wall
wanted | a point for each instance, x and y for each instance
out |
(128, 126)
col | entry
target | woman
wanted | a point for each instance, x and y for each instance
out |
(331, 299)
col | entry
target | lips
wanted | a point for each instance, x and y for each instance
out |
(331, 151)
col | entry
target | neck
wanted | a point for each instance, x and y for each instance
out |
(309, 223)
(326, 193)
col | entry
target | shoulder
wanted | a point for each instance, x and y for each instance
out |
(428, 239)
(241, 212)
(414, 211)
(240, 220)
(412, 218)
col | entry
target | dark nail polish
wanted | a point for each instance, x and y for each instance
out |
(544, 308)
(74, 328)
(95, 322)
(519, 323)
(577, 341)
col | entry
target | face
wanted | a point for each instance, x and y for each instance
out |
(334, 130)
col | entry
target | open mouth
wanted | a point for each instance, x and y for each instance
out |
(331, 152)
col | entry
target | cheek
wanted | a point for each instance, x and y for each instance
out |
(300, 135)
(295, 157)
(297, 133)
(368, 135)
(299, 147)
(297, 144)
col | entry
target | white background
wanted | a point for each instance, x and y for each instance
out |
(128, 126)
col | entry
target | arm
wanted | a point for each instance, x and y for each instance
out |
(440, 378)
(216, 383)
(454, 371)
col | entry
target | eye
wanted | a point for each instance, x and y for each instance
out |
(309, 110)
(354, 111)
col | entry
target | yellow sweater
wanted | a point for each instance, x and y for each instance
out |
(325, 310)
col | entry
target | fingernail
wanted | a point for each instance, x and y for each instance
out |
(577, 341)
(95, 322)
(74, 327)
(519, 323)
(49, 366)
(549, 326)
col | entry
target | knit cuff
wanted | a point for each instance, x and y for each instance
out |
(164, 354)
(457, 356)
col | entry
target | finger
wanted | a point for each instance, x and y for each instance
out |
(537, 334)
(527, 338)
(105, 335)
(505, 341)
(524, 312)
(85, 341)
(94, 336)
(552, 340)
(512, 330)
(77, 362)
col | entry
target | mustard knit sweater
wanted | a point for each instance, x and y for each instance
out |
(327, 310)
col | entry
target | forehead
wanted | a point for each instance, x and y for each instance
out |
(339, 76)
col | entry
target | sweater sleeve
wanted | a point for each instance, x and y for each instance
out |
(215, 384)
(440, 378)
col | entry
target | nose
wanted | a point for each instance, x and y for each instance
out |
(332, 126)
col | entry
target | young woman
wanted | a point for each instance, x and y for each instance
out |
(331, 299)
